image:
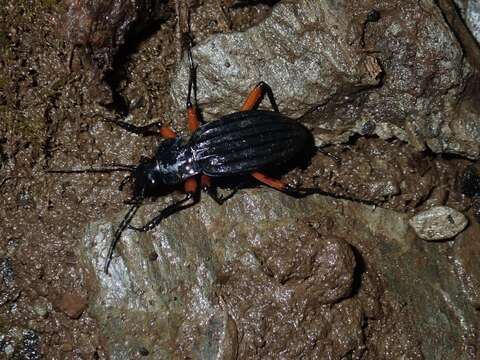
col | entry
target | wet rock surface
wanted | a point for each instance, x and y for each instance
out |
(293, 279)
(417, 102)
(282, 51)
(265, 275)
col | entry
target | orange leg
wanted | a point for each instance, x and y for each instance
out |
(256, 96)
(192, 117)
(190, 185)
(167, 133)
(301, 192)
(205, 182)
(273, 183)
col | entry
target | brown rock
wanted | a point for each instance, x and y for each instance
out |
(72, 304)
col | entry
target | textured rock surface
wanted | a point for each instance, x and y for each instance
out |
(97, 29)
(470, 10)
(467, 252)
(204, 284)
(324, 55)
(285, 258)
(438, 223)
(300, 50)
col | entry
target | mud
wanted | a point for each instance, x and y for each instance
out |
(54, 80)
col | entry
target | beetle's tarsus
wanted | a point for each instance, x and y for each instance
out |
(268, 91)
(333, 157)
(145, 130)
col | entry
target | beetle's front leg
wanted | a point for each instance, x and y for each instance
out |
(186, 202)
(191, 198)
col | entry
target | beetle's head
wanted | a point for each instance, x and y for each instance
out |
(147, 179)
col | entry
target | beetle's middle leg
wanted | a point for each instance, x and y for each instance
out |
(286, 188)
(256, 96)
(206, 186)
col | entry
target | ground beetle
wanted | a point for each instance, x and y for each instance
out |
(249, 143)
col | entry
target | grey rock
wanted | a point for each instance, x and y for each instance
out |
(210, 266)
(9, 350)
(438, 223)
(466, 251)
(321, 55)
(41, 308)
(470, 11)
(300, 50)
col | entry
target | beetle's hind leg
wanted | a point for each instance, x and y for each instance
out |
(300, 192)
(256, 95)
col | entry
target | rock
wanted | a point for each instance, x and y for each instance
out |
(244, 268)
(20, 343)
(470, 181)
(438, 223)
(470, 11)
(97, 29)
(320, 55)
(301, 50)
(318, 268)
(41, 308)
(73, 304)
(66, 347)
(466, 251)
(9, 291)
(9, 350)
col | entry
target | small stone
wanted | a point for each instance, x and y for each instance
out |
(438, 223)
(72, 304)
(9, 350)
(66, 347)
(41, 309)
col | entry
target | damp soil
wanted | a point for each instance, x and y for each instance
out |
(52, 110)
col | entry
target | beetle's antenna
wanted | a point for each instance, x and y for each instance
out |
(123, 225)
(107, 169)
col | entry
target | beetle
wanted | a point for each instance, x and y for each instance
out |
(249, 143)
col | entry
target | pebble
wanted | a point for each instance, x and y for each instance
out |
(438, 223)
(66, 347)
(41, 309)
(72, 304)
(9, 350)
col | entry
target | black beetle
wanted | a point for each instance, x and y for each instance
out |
(247, 143)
